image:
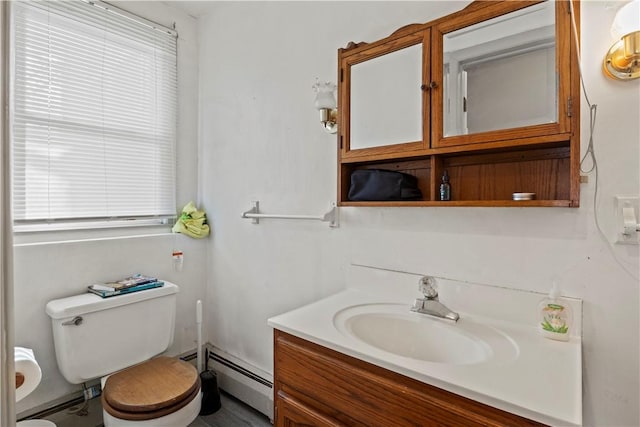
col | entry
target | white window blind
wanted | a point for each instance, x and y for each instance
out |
(93, 115)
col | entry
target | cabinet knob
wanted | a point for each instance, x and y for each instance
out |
(431, 85)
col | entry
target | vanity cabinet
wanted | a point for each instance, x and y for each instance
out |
(490, 94)
(316, 386)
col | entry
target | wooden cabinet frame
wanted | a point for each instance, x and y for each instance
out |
(319, 387)
(487, 167)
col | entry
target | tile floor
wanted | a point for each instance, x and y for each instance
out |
(233, 413)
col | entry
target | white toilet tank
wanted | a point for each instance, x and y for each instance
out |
(112, 333)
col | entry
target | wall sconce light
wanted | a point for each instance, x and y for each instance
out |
(623, 59)
(326, 103)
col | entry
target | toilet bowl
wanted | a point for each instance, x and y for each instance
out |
(118, 339)
(160, 392)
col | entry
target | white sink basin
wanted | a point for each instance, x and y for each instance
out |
(394, 329)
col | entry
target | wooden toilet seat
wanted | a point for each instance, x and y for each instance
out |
(151, 389)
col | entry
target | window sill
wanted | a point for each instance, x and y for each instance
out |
(33, 234)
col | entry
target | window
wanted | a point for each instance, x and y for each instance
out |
(93, 114)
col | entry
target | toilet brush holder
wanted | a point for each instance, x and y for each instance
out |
(210, 392)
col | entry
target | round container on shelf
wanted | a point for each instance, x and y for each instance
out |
(524, 196)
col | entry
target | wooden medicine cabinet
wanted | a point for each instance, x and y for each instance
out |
(490, 94)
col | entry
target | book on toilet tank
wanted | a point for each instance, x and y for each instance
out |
(128, 282)
(128, 290)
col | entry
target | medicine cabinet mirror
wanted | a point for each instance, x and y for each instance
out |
(501, 73)
(489, 94)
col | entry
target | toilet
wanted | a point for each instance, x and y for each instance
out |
(118, 340)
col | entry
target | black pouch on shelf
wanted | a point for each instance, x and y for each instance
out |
(380, 185)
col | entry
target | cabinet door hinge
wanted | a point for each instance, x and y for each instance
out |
(341, 142)
(341, 75)
(569, 106)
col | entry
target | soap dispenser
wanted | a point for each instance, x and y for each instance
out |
(554, 316)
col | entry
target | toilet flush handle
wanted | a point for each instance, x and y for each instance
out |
(75, 321)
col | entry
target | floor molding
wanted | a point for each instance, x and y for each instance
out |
(242, 380)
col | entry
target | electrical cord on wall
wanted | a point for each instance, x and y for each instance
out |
(590, 153)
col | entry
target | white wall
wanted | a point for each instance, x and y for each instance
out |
(7, 384)
(260, 139)
(56, 265)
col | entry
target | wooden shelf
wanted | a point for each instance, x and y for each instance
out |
(467, 203)
(481, 178)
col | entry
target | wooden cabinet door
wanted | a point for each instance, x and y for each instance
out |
(383, 94)
(522, 92)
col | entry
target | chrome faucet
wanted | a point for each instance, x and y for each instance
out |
(430, 304)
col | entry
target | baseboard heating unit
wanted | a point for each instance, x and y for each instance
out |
(248, 383)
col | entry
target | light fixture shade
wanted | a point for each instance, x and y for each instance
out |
(325, 100)
(622, 61)
(324, 95)
(326, 103)
(627, 20)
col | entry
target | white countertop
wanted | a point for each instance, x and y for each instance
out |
(543, 382)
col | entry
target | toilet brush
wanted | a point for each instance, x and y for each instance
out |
(208, 379)
(199, 327)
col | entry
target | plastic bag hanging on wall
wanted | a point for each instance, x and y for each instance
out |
(192, 222)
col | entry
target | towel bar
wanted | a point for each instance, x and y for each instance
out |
(254, 214)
